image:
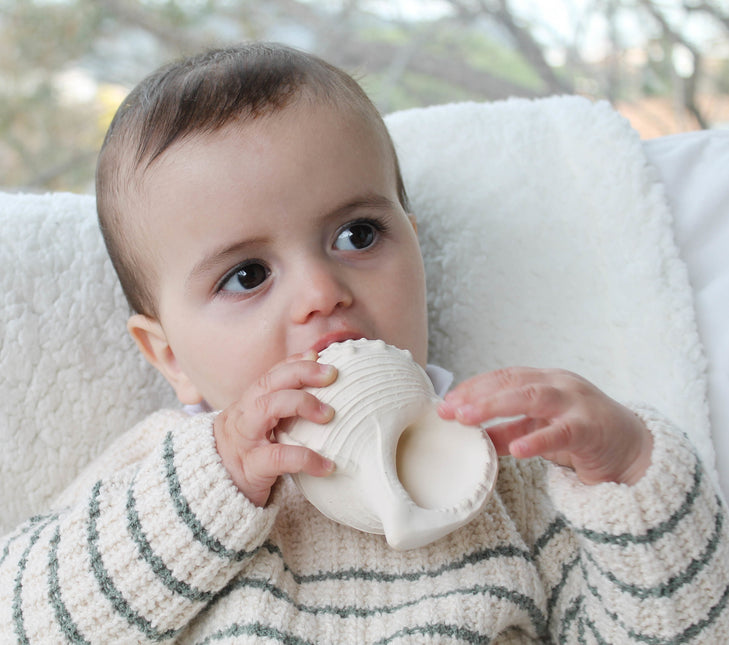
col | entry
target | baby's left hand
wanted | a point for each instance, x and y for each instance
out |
(562, 417)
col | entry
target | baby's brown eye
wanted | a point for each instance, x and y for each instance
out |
(356, 237)
(246, 277)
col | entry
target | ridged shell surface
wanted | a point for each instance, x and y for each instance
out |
(391, 449)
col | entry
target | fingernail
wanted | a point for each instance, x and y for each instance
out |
(327, 410)
(327, 370)
(445, 409)
(466, 412)
(329, 466)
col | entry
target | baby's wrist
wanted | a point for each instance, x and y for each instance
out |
(641, 458)
(228, 455)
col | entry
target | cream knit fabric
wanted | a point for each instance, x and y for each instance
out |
(154, 543)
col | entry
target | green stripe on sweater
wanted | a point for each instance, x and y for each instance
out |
(156, 564)
(438, 629)
(63, 617)
(653, 533)
(678, 639)
(555, 527)
(18, 620)
(523, 602)
(25, 529)
(370, 575)
(186, 514)
(255, 629)
(674, 583)
(567, 568)
(431, 629)
(624, 539)
(572, 613)
(106, 583)
(581, 631)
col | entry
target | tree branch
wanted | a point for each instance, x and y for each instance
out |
(502, 13)
(710, 9)
(689, 89)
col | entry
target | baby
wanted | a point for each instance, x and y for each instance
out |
(253, 207)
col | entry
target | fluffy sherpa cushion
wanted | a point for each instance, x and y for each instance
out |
(547, 242)
(70, 377)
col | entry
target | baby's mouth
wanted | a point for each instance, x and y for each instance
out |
(335, 337)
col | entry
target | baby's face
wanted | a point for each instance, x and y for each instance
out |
(270, 239)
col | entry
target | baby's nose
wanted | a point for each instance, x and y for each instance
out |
(320, 289)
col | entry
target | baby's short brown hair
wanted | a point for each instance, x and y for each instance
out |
(199, 95)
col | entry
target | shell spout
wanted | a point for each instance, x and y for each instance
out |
(447, 471)
(441, 464)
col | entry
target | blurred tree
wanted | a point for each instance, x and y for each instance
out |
(44, 129)
(66, 64)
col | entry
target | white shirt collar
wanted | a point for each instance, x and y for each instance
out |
(440, 377)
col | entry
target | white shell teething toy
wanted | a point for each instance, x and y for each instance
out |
(401, 470)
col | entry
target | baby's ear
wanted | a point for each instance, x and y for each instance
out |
(152, 342)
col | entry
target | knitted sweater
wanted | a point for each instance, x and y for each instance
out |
(154, 543)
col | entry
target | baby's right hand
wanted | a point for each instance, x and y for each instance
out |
(244, 431)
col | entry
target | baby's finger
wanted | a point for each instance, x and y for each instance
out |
(295, 373)
(269, 409)
(558, 436)
(489, 383)
(536, 399)
(503, 434)
(264, 465)
(250, 422)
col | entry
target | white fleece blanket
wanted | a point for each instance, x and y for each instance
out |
(547, 242)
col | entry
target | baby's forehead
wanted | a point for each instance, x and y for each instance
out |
(187, 155)
(360, 120)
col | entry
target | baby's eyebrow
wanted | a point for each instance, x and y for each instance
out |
(371, 200)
